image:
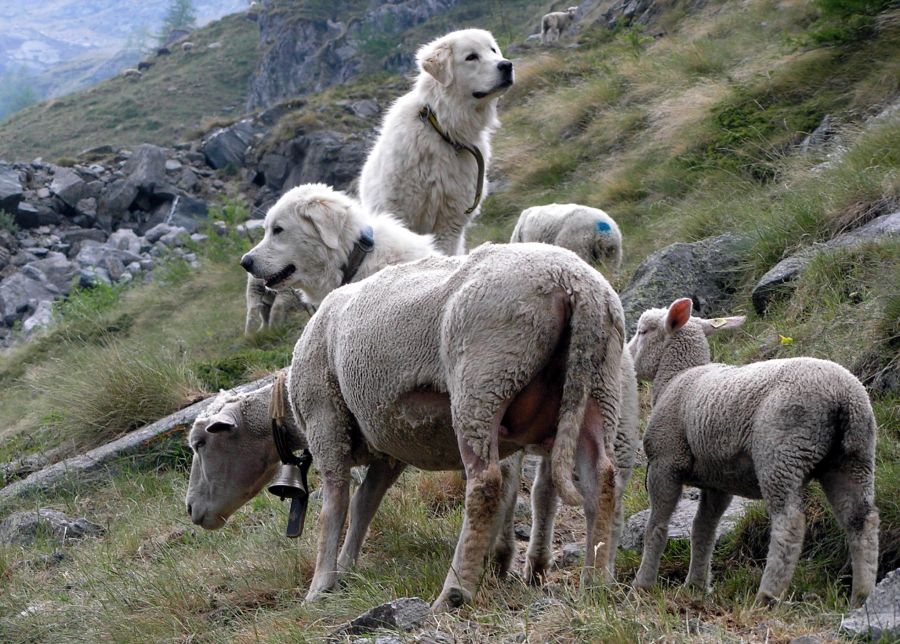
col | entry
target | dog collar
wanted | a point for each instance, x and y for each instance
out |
(428, 116)
(361, 247)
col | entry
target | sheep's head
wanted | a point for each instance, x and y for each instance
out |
(573, 12)
(673, 336)
(234, 456)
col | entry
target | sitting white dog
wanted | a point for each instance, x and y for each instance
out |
(429, 163)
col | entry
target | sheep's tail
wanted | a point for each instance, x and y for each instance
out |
(857, 429)
(593, 367)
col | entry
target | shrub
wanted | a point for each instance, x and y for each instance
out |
(8, 222)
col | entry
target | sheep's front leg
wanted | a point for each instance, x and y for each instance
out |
(544, 505)
(664, 488)
(597, 484)
(336, 493)
(713, 504)
(380, 476)
(484, 485)
(622, 477)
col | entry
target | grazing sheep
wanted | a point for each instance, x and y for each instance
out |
(187, 46)
(760, 431)
(588, 232)
(456, 362)
(163, 51)
(266, 308)
(144, 65)
(131, 73)
(555, 23)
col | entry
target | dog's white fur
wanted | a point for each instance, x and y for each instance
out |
(413, 172)
(314, 228)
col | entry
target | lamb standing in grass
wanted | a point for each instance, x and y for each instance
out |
(555, 23)
(588, 232)
(760, 431)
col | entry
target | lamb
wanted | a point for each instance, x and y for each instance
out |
(474, 358)
(131, 73)
(555, 23)
(187, 46)
(588, 232)
(760, 431)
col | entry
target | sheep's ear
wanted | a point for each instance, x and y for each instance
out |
(717, 324)
(321, 214)
(222, 422)
(679, 313)
(436, 61)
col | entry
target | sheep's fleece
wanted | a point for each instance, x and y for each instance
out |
(761, 430)
(412, 171)
(455, 362)
(588, 232)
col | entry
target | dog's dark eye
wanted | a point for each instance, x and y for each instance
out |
(277, 230)
(493, 51)
(472, 57)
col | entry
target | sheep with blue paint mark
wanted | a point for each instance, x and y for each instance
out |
(588, 232)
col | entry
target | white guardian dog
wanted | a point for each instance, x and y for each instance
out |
(429, 163)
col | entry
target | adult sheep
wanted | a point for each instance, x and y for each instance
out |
(131, 73)
(456, 362)
(760, 431)
(588, 232)
(555, 23)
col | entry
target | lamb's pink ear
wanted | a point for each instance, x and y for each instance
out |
(679, 314)
(717, 324)
(436, 60)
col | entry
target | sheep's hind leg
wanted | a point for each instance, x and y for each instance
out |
(336, 492)
(505, 538)
(380, 476)
(851, 492)
(664, 488)
(484, 484)
(785, 543)
(622, 478)
(544, 505)
(713, 504)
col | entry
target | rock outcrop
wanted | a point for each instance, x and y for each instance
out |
(879, 616)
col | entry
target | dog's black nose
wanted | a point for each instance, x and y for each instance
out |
(247, 263)
(505, 66)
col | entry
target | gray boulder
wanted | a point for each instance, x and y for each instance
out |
(402, 614)
(188, 213)
(68, 186)
(40, 319)
(23, 528)
(146, 168)
(324, 157)
(228, 145)
(777, 280)
(117, 199)
(879, 616)
(682, 520)
(58, 270)
(125, 239)
(20, 293)
(10, 188)
(27, 215)
(705, 271)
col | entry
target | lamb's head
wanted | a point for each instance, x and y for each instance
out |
(234, 456)
(573, 12)
(670, 340)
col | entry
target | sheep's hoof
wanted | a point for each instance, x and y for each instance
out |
(534, 571)
(451, 598)
(766, 599)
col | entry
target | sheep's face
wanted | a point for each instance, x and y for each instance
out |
(234, 457)
(657, 327)
(467, 63)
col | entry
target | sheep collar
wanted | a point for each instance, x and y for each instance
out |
(299, 501)
(361, 247)
(428, 116)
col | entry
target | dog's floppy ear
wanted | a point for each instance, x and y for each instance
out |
(322, 214)
(436, 60)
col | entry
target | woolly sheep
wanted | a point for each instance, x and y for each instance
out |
(421, 363)
(555, 23)
(187, 46)
(588, 232)
(760, 431)
(131, 73)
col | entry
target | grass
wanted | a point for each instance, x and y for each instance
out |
(679, 138)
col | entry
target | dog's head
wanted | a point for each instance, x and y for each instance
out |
(468, 62)
(308, 233)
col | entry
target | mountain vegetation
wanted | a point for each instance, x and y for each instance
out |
(703, 120)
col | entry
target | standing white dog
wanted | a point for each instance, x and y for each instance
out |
(429, 163)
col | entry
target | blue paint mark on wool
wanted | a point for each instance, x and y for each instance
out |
(603, 227)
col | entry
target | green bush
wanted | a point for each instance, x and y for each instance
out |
(8, 222)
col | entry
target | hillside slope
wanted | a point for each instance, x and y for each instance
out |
(696, 131)
(166, 106)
